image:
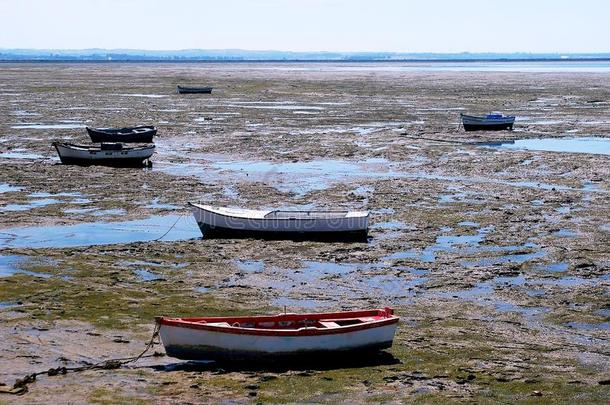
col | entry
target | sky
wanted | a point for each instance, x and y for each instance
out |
(535, 26)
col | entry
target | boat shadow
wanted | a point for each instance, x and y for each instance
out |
(274, 366)
(355, 237)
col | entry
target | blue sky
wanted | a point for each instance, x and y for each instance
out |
(309, 25)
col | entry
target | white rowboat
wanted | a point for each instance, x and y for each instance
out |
(222, 219)
(275, 337)
(107, 154)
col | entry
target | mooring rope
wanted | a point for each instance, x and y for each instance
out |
(21, 385)
(170, 229)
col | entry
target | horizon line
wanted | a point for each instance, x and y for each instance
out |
(311, 51)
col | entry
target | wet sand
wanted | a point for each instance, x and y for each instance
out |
(497, 260)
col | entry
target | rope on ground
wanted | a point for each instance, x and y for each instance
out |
(21, 385)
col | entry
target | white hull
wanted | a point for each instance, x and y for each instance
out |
(189, 343)
(275, 221)
(95, 155)
(99, 155)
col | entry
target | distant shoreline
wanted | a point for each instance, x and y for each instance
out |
(218, 61)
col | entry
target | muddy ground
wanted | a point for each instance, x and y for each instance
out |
(497, 260)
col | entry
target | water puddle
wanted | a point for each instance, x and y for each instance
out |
(389, 225)
(155, 204)
(304, 177)
(9, 265)
(147, 275)
(80, 210)
(8, 188)
(523, 310)
(48, 126)
(100, 233)
(273, 106)
(588, 326)
(444, 243)
(554, 267)
(143, 95)
(595, 145)
(43, 199)
(565, 233)
(31, 205)
(516, 258)
(113, 212)
(298, 177)
(250, 266)
(20, 154)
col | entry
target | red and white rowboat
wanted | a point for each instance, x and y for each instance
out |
(276, 336)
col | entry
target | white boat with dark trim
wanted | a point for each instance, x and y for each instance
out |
(278, 222)
(490, 122)
(274, 337)
(106, 154)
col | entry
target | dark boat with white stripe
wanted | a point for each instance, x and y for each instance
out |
(104, 154)
(490, 122)
(194, 90)
(139, 134)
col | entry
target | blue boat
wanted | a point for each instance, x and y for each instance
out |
(490, 122)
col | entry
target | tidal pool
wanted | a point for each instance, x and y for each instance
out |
(595, 145)
(9, 265)
(100, 233)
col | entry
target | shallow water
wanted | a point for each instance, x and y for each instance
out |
(589, 326)
(20, 154)
(100, 233)
(48, 126)
(443, 243)
(146, 275)
(143, 95)
(155, 204)
(250, 266)
(8, 188)
(298, 177)
(595, 145)
(440, 66)
(9, 265)
(554, 267)
(31, 205)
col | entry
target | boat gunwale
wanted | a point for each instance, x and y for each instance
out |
(117, 131)
(264, 218)
(503, 118)
(389, 319)
(75, 146)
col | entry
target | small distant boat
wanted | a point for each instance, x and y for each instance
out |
(277, 222)
(105, 154)
(139, 134)
(194, 90)
(490, 122)
(276, 337)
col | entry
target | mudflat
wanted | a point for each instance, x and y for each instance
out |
(496, 258)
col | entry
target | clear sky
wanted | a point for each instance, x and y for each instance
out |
(309, 25)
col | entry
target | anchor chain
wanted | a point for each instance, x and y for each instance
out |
(21, 385)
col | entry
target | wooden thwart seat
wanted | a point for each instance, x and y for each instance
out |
(329, 324)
